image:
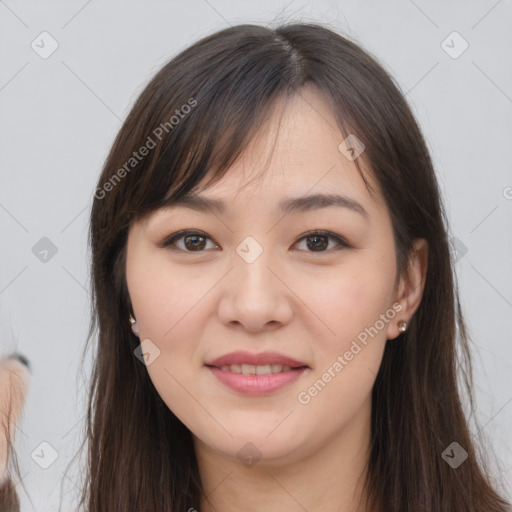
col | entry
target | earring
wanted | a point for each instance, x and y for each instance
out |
(135, 327)
(402, 326)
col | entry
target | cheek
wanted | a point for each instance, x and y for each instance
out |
(352, 298)
(355, 305)
(163, 297)
(168, 307)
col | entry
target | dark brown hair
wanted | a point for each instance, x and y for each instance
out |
(140, 456)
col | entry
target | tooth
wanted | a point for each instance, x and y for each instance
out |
(248, 369)
(263, 369)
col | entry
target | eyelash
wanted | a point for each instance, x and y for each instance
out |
(171, 239)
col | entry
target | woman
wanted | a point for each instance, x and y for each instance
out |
(274, 293)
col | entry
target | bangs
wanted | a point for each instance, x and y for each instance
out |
(213, 109)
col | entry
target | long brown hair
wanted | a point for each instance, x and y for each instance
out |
(199, 113)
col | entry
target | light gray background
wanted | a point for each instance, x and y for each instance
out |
(59, 116)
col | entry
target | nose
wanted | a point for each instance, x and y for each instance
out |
(255, 296)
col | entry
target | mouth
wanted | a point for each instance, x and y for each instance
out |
(256, 374)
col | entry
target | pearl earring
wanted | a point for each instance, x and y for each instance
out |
(135, 327)
(402, 326)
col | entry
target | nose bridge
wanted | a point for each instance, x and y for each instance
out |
(252, 260)
(254, 297)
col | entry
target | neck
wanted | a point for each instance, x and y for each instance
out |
(329, 479)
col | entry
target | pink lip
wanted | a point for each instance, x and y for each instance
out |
(256, 384)
(262, 358)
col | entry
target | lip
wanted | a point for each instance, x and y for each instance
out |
(256, 384)
(263, 358)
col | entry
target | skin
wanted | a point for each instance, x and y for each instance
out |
(304, 302)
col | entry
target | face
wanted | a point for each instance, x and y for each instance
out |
(254, 278)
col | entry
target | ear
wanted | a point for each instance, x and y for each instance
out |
(411, 286)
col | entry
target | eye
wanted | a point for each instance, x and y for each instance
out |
(195, 241)
(320, 240)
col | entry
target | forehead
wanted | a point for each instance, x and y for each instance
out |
(299, 151)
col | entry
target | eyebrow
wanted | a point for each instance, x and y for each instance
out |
(286, 206)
